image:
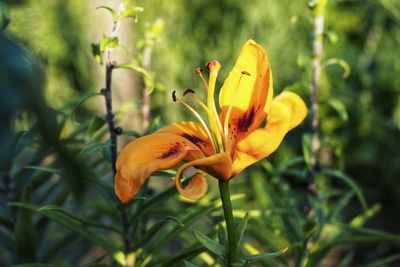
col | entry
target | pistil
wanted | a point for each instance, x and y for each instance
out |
(216, 127)
(197, 115)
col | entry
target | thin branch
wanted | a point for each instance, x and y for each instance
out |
(146, 115)
(319, 20)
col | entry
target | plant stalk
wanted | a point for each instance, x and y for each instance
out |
(107, 91)
(319, 21)
(230, 222)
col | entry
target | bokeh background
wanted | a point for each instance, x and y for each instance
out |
(359, 96)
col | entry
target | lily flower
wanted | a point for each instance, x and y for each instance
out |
(226, 143)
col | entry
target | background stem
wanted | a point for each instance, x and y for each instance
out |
(230, 222)
(319, 20)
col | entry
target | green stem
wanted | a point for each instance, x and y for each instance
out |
(230, 223)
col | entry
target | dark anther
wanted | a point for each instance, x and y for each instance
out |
(187, 91)
(246, 73)
(103, 90)
(174, 96)
(118, 130)
(198, 70)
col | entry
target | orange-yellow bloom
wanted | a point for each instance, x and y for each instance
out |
(229, 142)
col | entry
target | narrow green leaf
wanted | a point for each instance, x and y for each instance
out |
(306, 145)
(339, 107)
(95, 124)
(384, 261)
(189, 264)
(222, 237)
(150, 233)
(96, 52)
(44, 169)
(74, 225)
(107, 41)
(371, 233)
(210, 244)
(4, 16)
(81, 100)
(25, 234)
(342, 63)
(131, 12)
(34, 265)
(90, 149)
(349, 181)
(242, 227)
(112, 12)
(263, 256)
(177, 258)
(239, 263)
(340, 205)
(55, 209)
(132, 133)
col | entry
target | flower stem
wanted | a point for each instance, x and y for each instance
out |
(230, 223)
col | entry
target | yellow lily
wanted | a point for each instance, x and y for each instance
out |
(230, 142)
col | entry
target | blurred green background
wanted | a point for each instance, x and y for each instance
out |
(359, 112)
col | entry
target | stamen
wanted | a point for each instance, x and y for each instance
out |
(198, 72)
(197, 115)
(190, 92)
(228, 112)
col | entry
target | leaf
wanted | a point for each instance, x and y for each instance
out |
(131, 12)
(222, 238)
(189, 264)
(340, 108)
(384, 261)
(74, 225)
(133, 65)
(342, 63)
(132, 133)
(4, 16)
(34, 265)
(107, 41)
(112, 11)
(25, 233)
(96, 52)
(81, 100)
(95, 124)
(150, 233)
(263, 256)
(55, 208)
(90, 149)
(210, 244)
(44, 169)
(306, 145)
(242, 227)
(349, 181)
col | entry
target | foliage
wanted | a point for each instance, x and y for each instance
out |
(57, 203)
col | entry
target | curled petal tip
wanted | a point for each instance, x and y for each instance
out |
(196, 188)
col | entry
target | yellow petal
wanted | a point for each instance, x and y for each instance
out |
(145, 155)
(219, 166)
(287, 111)
(254, 92)
(192, 131)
